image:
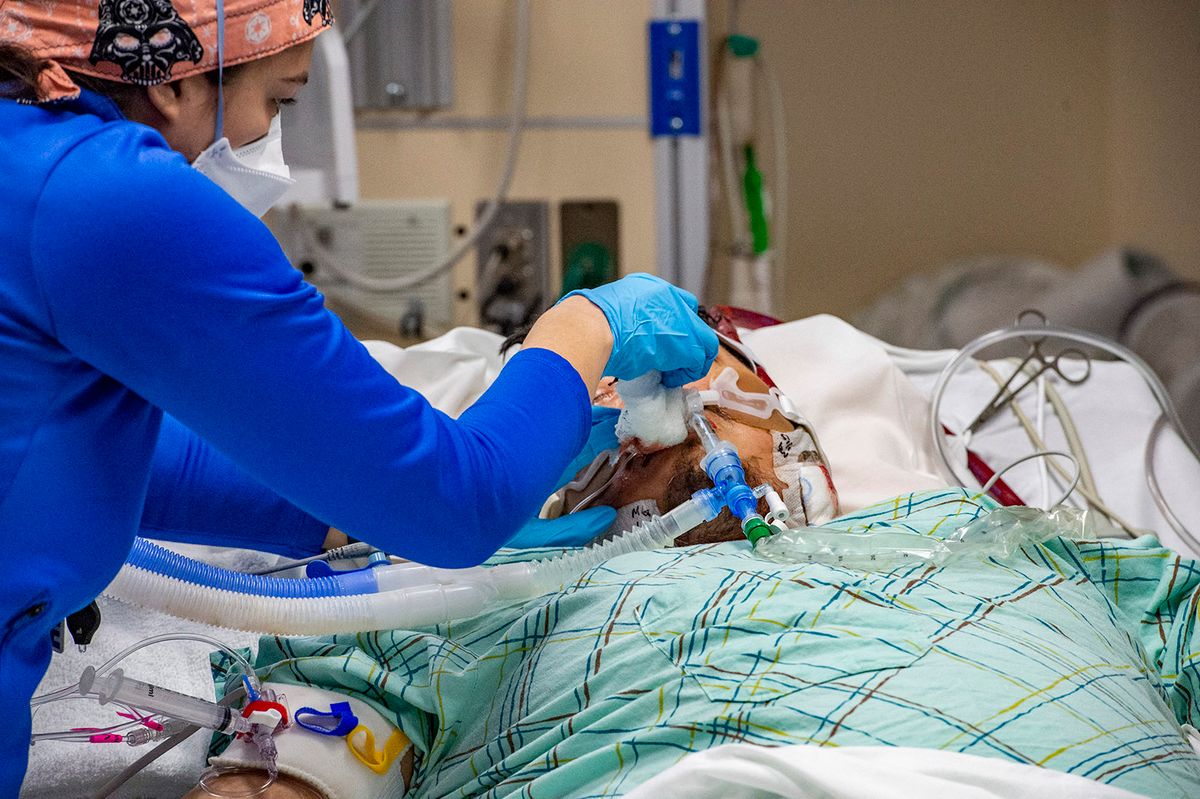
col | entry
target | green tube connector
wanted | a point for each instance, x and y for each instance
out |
(755, 529)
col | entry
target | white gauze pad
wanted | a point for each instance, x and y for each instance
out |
(653, 413)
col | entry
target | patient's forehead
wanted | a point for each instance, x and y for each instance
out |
(606, 393)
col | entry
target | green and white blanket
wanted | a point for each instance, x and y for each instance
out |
(1079, 657)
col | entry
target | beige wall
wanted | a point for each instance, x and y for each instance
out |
(1154, 134)
(921, 130)
(925, 131)
(585, 60)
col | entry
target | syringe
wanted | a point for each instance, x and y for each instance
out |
(116, 687)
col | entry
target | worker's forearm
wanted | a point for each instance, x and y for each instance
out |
(196, 495)
(578, 331)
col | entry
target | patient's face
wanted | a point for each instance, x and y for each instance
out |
(670, 476)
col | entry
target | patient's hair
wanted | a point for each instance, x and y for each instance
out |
(20, 68)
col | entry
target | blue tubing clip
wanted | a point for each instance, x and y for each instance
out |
(339, 721)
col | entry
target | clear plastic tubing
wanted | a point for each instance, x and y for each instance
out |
(1092, 340)
(722, 464)
(409, 596)
(705, 431)
(863, 551)
(994, 535)
(116, 687)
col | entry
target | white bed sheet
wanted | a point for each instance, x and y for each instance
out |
(869, 418)
(745, 771)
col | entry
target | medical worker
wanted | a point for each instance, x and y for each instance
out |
(140, 143)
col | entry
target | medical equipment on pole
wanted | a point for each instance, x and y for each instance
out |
(757, 212)
(319, 253)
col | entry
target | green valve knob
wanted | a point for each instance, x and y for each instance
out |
(756, 529)
(742, 46)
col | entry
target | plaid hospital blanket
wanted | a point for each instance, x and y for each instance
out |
(1080, 657)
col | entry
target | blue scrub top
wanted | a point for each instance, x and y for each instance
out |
(131, 285)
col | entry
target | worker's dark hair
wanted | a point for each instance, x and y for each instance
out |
(519, 336)
(19, 70)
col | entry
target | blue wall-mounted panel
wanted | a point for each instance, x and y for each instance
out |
(675, 68)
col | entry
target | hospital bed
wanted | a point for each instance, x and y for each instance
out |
(867, 400)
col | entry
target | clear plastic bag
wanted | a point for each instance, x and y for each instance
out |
(997, 534)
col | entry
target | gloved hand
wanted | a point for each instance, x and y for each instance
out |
(655, 328)
(601, 437)
(572, 530)
(576, 529)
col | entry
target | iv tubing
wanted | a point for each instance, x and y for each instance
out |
(111, 663)
(1169, 414)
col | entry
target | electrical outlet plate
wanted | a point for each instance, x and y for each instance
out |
(526, 288)
(590, 236)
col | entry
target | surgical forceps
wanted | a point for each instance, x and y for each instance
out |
(1040, 363)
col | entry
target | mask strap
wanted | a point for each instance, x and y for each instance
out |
(220, 71)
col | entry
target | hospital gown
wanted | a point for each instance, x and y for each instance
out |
(1080, 657)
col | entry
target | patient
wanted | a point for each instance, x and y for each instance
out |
(781, 452)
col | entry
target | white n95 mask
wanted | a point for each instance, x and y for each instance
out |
(255, 175)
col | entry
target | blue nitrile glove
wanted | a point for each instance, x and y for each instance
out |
(576, 529)
(655, 328)
(602, 437)
(572, 530)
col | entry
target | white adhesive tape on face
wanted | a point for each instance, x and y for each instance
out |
(800, 467)
(634, 513)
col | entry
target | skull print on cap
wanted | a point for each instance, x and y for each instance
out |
(148, 42)
(145, 38)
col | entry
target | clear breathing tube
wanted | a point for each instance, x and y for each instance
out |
(997, 534)
(403, 595)
(1169, 414)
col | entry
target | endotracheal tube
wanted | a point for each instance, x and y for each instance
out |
(724, 467)
(997, 534)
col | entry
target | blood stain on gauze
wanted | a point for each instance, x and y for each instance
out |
(653, 414)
